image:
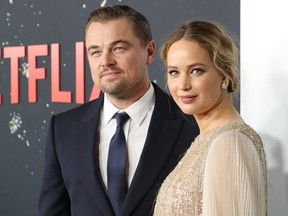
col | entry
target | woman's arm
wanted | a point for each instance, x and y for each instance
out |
(234, 183)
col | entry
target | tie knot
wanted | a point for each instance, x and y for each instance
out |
(121, 118)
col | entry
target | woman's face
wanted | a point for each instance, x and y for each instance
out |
(192, 78)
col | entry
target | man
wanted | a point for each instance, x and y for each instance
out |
(76, 177)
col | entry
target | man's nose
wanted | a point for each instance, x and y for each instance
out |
(107, 59)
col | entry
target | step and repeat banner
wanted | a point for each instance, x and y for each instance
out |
(43, 71)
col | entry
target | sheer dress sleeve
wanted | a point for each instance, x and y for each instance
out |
(233, 183)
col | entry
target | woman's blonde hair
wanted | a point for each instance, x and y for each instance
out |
(218, 42)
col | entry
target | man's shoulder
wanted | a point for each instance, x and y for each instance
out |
(161, 94)
(166, 104)
(80, 110)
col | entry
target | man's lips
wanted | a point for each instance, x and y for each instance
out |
(110, 73)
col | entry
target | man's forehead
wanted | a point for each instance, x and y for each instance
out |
(110, 33)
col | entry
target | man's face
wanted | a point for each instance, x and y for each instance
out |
(118, 61)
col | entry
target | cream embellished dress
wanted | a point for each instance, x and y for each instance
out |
(223, 173)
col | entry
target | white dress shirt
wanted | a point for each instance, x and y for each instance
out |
(135, 129)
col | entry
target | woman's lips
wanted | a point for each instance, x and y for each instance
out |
(187, 98)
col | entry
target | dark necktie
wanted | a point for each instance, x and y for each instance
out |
(116, 165)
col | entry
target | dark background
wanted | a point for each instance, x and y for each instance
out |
(23, 126)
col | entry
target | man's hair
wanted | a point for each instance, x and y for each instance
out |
(140, 24)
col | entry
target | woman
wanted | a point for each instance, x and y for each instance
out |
(223, 173)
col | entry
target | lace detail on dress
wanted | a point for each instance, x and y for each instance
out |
(182, 191)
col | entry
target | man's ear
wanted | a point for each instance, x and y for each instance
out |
(151, 49)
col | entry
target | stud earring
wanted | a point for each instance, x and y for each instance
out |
(223, 86)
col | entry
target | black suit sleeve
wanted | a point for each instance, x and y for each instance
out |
(54, 199)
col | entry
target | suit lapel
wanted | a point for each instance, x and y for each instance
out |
(162, 134)
(163, 131)
(90, 176)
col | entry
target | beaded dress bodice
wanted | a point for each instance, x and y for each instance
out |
(182, 191)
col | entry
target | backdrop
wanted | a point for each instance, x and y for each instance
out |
(43, 72)
(264, 89)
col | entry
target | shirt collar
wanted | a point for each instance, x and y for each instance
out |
(137, 111)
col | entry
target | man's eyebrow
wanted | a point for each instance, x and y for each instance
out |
(92, 47)
(121, 41)
(111, 44)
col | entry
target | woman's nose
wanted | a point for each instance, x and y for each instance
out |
(185, 83)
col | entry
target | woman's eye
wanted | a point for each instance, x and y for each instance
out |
(173, 72)
(197, 71)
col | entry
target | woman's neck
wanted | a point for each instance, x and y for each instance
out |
(221, 115)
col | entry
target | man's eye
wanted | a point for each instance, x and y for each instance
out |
(118, 49)
(95, 53)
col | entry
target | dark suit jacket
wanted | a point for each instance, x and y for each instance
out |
(72, 183)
